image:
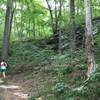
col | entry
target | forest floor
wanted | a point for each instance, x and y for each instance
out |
(22, 86)
(12, 88)
(37, 73)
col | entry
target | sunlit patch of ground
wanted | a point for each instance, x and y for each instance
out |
(12, 92)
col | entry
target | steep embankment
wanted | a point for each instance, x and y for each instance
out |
(40, 72)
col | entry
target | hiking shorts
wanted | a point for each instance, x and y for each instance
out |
(3, 69)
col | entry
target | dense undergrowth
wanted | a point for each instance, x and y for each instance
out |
(57, 76)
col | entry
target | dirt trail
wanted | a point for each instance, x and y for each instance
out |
(12, 89)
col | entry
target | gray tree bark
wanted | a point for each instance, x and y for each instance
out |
(72, 25)
(89, 44)
(7, 29)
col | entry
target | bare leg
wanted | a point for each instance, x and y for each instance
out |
(4, 75)
(0, 74)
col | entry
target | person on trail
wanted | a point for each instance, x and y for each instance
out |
(3, 68)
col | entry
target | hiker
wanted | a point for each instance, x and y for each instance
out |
(3, 68)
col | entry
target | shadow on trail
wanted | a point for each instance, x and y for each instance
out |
(10, 91)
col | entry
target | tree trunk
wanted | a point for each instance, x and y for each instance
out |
(12, 14)
(55, 15)
(89, 40)
(7, 29)
(51, 15)
(72, 25)
(78, 7)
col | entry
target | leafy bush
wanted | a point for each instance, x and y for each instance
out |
(33, 98)
(59, 87)
(61, 69)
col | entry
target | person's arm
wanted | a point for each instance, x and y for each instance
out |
(5, 64)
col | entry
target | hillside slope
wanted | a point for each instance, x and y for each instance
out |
(50, 76)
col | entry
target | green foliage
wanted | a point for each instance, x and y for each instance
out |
(62, 92)
(61, 69)
(33, 98)
(30, 54)
(59, 87)
(81, 67)
(63, 72)
(86, 91)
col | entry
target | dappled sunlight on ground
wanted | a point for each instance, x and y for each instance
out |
(12, 92)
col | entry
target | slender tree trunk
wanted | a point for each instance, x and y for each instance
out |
(12, 14)
(55, 15)
(78, 7)
(29, 26)
(89, 40)
(7, 29)
(34, 28)
(56, 19)
(51, 15)
(72, 25)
